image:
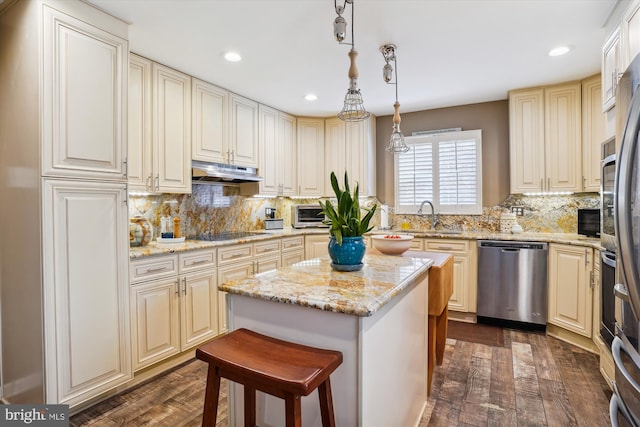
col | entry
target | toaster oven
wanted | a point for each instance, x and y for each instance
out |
(304, 216)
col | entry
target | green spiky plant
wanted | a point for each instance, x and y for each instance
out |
(346, 220)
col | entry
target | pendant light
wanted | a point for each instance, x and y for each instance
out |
(396, 141)
(353, 109)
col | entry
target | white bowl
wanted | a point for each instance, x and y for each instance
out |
(392, 244)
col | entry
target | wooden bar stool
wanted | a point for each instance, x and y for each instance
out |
(276, 367)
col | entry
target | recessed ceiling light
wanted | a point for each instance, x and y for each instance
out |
(560, 50)
(310, 97)
(232, 56)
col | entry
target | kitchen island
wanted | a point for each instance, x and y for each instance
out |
(377, 317)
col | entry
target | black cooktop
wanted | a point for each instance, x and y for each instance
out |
(211, 237)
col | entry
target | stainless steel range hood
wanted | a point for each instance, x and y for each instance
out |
(205, 173)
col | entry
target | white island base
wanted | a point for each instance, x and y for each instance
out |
(382, 381)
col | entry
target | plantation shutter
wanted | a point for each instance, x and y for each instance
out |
(444, 168)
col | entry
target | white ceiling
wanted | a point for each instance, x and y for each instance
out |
(450, 52)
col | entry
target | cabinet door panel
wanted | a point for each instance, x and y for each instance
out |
(244, 132)
(334, 152)
(526, 142)
(570, 297)
(85, 67)
(85, 288)
(316, 246)
(199, 313)
(593, 133)
(311, 155)
(288, 161)
(172, 129)
(210, 130)
(270, 152)
(610, 69)
(156, 318)
(563, 142)
(140, 166)
(226, 273)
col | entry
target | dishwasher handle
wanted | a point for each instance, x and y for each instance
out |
(513, 250)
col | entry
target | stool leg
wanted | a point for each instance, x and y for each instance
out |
(326, 404)
(210, 412)
(293, 411)
(249, 406)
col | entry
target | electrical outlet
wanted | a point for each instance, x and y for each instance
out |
(518, 210)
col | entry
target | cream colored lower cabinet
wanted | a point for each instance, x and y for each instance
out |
(172, 312)
(86, 300)
(316, 245)
(292, 250)
(570, 288)
(465, 271)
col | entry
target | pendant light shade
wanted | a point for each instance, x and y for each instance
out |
(396, 141)
(353, 109)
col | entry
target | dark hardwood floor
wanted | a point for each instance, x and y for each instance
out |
(490, 377)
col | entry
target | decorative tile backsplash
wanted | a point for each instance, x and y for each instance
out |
(218, 208)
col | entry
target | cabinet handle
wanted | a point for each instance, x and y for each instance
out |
(541, 184)
(125, 163)
(155, 269)
(591, 280)
(178, 287)
(202, 261)
(184, 284)
(445, 248)
(158, 182)
(233, 157)
(148, 183)
(548, 184)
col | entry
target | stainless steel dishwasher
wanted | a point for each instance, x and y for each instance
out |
(512, 282)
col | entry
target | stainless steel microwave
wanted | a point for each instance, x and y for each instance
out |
(304, 216)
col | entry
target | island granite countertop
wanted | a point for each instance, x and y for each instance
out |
(313, 283)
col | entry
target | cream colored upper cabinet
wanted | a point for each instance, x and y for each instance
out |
(84, 88)
(287, 136)
(570, 289)
(171, 130)
(563, 140)
(334, 152)
(350, 146)
(593, 133)
(140, 161)
(210, 122)
(243, 150)
(361, 154)
(159, 128)
(526, 140)
(631, 31)
(611, 68)
(545, 139)
(278, 161)
(311, 171)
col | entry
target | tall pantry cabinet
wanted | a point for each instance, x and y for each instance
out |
(63, 246)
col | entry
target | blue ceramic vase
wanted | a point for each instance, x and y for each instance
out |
(348, 256)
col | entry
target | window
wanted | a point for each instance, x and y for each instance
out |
(444, 168)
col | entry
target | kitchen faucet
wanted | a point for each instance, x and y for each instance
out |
(434, 218)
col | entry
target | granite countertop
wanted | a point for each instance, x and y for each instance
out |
(155, 248)
(313, 283)
(564, 238)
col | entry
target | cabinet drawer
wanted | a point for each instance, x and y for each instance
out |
(291, 243)
(153, 268)
(446, 245)
(235, 253)
(417, 245)
(267, 247)
(192, 261)
(292, 257)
